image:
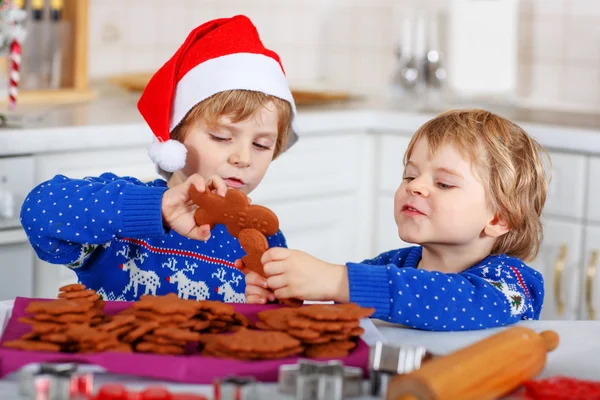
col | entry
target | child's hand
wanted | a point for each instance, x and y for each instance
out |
(256, 289)
(295, 274)
(178, 209)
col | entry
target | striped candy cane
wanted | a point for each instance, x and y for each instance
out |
(14, 74)
(16, 17)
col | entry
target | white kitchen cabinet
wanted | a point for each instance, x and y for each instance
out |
(593, 186)
(386, 236)
(590, 278)
(558, 260)
(133, 161)
(390, 149)
(567, 188)
(322, 227)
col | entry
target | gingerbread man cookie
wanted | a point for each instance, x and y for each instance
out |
(255, 244)
(234, 211)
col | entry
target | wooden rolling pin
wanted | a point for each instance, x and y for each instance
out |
(484, 370)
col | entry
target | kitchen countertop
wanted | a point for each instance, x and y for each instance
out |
(113, 118)
(578, 355)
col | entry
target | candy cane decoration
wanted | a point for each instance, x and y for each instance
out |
(16, 32)
(14, 74)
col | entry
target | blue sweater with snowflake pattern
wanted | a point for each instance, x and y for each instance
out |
(109, 230)
(499, 290)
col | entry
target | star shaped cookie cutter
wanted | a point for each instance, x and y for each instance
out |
(386, 360)
(314, 380)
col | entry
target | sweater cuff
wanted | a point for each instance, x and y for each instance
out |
(370, 287)
(141, 208)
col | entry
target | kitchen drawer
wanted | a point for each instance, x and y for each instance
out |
(133, 161)
(316, 165)
(566, 190)
(590, 282)
(558, 260)
(593, 202)
(391, 161)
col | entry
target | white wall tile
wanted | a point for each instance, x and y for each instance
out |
(582, 40)
(582, 85)
(199, 12)
(171, 26)
(545, 82)
(548, 7)
(140, 27)
(547, 38)
(373, 28)
(104, 62)
(140, 59)
(348, 44)
(589, 8)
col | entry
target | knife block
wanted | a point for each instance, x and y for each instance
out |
(74, 68)
(484, 370)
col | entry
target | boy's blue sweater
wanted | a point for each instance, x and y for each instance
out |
(499, 290)
(109, 230)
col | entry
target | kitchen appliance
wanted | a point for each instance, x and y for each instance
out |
(16, 254)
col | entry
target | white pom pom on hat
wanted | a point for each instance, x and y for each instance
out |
(219, 55)
(169, 155)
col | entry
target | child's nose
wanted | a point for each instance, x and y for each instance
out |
(417, 187)
(240, 157)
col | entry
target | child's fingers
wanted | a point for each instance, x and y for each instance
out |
(198, 233)
(217, 184)
(254, 299)
(252, 290)
(252, 278)
(198, 181)
(277, 282)
(283, 293)
(274, 268)
(274, 254)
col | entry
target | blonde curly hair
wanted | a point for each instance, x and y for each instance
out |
(509, 164)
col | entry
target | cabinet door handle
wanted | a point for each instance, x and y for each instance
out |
(590, 274)
(559, 269)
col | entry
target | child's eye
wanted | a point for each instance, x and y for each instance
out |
(218, 138)
(444, 185)
(408, 178)
(261, 147)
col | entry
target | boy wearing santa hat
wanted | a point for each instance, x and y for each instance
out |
(221, 111)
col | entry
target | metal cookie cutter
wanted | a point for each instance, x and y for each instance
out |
(54, 382)
(310, 380)
(235, 388)
(386, 360)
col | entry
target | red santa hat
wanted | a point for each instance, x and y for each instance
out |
(220, 55)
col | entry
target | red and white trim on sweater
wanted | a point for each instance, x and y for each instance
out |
(520, 279)
(177, 252)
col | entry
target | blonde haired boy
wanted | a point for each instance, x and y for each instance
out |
(471, 197)
(221, 111)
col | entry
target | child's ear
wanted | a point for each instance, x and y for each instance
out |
(496, 227)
